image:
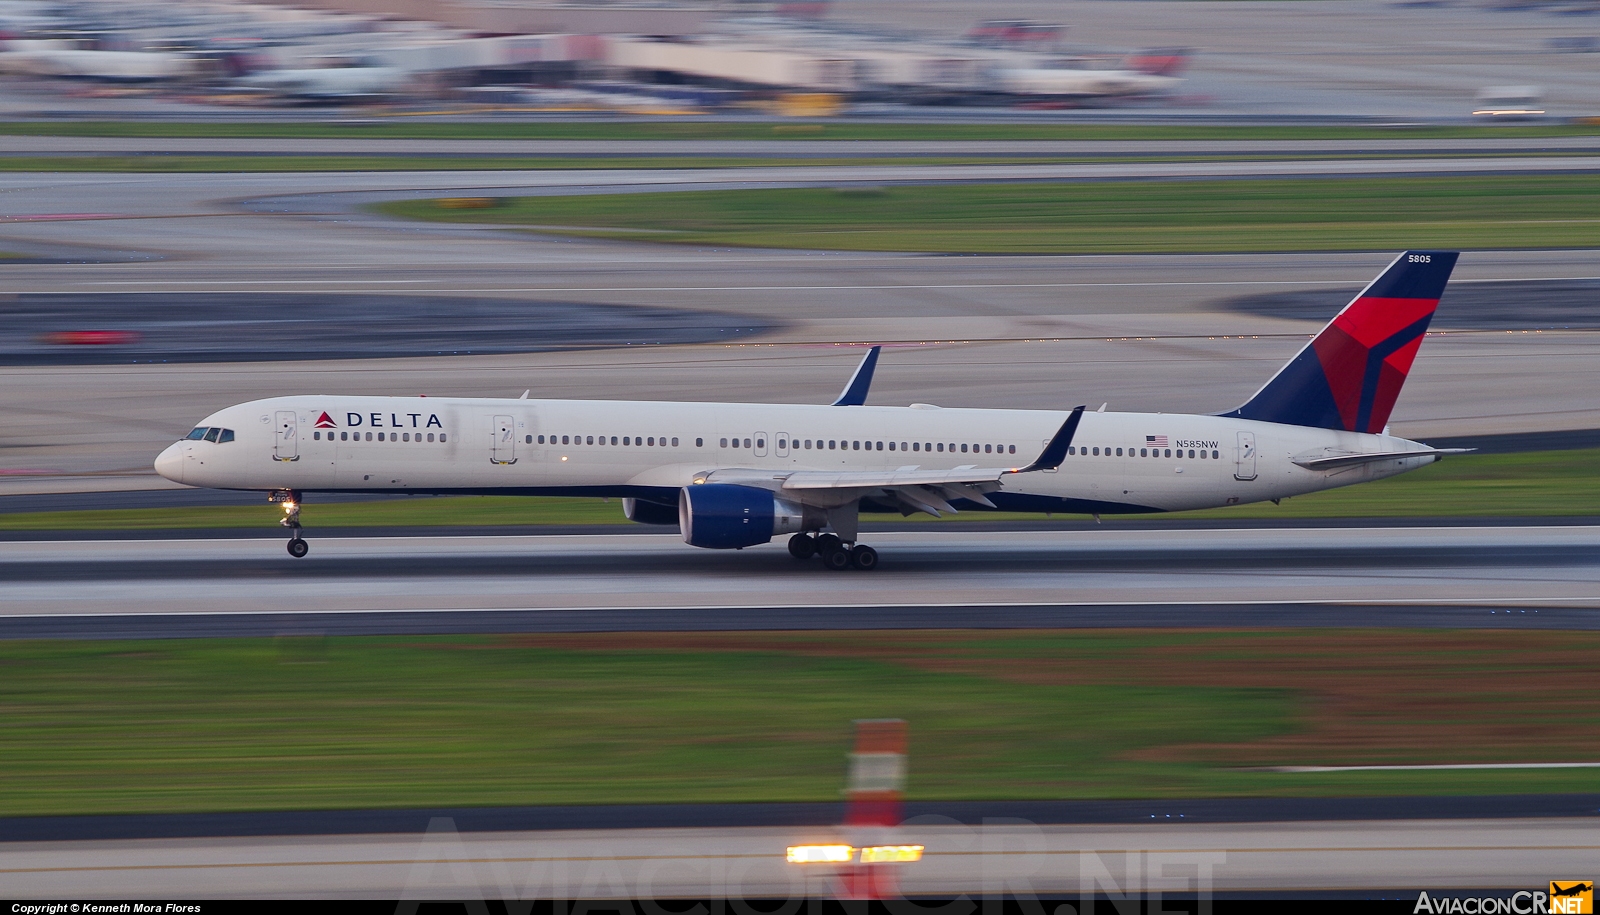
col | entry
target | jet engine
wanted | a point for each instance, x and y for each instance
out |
(724, 516)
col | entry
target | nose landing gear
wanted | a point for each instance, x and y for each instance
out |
(836, 554)
(290, 499)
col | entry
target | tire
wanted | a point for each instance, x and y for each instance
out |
(864, 557)
(838, 559)
(826, 542)
(298, 548)
(802, 546)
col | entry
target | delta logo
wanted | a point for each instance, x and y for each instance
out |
(326, 422)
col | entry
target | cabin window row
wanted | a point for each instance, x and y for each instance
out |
(391, 437)
(855, 445)
(645, 441)
(1097, 451)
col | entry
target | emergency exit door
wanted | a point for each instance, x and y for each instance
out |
(286, 443)
(503, 449)
(1245, 463)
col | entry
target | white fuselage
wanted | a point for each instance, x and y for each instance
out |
(1120, 462)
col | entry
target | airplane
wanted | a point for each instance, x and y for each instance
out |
(736, 475)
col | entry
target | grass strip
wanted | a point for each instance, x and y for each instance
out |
(400, 127)
(1529, 484)
(352, 722)
(1318, 214)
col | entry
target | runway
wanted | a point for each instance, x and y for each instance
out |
(1545, 577)
(1010, 857)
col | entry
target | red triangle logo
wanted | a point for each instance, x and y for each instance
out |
(325, 421)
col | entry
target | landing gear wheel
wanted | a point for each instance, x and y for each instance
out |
(837, 559)
(801, 546)
(826, 542)
(298, 548)
(864, 557)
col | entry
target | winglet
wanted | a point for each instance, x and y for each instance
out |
(855, 393)
(1056, 451)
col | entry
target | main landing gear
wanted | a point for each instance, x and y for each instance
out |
(290, 500)
(836, 554)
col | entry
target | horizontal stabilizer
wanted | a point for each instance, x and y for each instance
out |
(1332, 461)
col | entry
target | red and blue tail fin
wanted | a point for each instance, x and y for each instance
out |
(1349, 376)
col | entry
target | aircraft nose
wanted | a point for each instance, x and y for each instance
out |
(169, 463)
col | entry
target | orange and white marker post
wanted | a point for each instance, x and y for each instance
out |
(863, 867)
(877, 784)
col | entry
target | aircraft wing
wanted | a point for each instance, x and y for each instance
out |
(1332, 461)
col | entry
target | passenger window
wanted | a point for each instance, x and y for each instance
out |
(1119, 452)
(987, 449)
(832, 444)
(430, 436)
(315, 436)
(407, 436)
(1097, 451)
(369, 436)
(1202, 455)
(902, 446)
(1013, 449)
(441, 436)
(591, 440)
(380, 436)
(674, 441)
(761, 443)
(1191, 455)
(880, 446)
(941, 447)
(1215, 456)
(916, 446)
(227, 436)
(1072, 449)
(855, 446)
(526, 439)
(344, 436)
(699, 442)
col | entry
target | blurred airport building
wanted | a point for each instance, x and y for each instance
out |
(539, 54)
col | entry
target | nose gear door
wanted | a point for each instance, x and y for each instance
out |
(1245, 464)
(286, 444)
(503, 450)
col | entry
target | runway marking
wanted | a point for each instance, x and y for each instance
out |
(1558, 765)
(1538, 602)
(773, 856)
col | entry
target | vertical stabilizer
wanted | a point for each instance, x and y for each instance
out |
(1349, 376)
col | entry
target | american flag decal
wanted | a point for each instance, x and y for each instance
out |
(1159, 441)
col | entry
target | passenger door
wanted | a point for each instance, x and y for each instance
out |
(503, 447)
(761, 444)
(781, 447)
(1244, 467)
(286, 444)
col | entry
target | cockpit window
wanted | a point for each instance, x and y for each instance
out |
(212, 433)
(198, 434)
(226, 436)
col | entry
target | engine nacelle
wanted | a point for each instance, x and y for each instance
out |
(642, 512)
(723, 516)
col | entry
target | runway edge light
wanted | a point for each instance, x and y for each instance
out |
(820, 854)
